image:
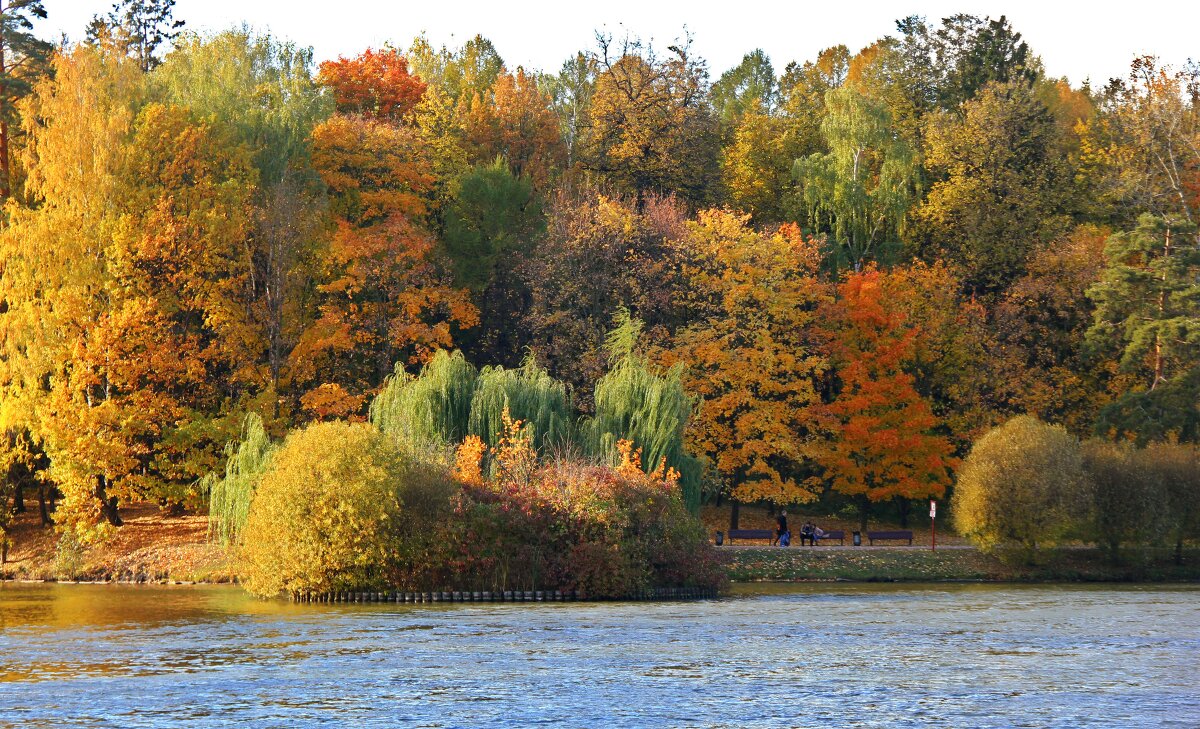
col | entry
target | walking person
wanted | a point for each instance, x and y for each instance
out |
(782, 534)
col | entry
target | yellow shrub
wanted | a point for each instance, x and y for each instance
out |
(1021, 486)
(322, 514)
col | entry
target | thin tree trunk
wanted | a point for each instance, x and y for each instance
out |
(1159, 364)
(108, 504)
(864, 509)
(19, 498)
(733, 514)
(5, 167)
(45, 513)
(903, 506)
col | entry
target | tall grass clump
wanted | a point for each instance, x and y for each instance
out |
(230, 495)
(647, 407)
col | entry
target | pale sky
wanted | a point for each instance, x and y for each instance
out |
(1076, 40)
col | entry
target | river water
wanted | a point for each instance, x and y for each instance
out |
(771, 656)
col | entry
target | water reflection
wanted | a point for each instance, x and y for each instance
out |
(857, 655)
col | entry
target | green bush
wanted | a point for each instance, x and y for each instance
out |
(1178, 468)
(1022, 486)
(1128, 497)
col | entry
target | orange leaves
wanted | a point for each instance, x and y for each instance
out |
(750, 355)
(516, 122)
(879, 431)
(330, 401)
(383, 299)
(373, 169)
(375, 84)
(468, 460)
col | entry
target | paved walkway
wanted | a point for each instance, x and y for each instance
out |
(852, 548)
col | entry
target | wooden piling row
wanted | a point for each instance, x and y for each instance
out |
(659, 593)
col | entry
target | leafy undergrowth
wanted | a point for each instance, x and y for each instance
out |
(150, 547)
(916, 565)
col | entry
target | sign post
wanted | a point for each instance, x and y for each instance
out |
(933, 525)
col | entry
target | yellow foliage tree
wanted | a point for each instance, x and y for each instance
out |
(749, 353)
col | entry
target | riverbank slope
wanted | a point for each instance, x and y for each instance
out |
(150, 547)
(154, 547)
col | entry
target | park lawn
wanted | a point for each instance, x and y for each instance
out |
(908, 564)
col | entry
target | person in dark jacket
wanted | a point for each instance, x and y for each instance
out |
(806, 533)
(783, 536)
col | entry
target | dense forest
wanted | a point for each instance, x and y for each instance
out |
(854, 265)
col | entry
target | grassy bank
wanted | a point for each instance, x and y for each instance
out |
(154, 547)
(922, 565)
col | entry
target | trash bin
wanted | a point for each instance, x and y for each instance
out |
(720, 538)
(858, 539)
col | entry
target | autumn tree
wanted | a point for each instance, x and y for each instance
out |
(859, 191)
(954, 353)
(376, 84)
(756, 166)
(570, 93)
(600, 253)
(650, 128)
(1022, 487)
(1041, 322)
(754, 298)
(140, 326)
(1141, 152)
(515, 122)
(22, 57)
(383, 298)
(1128, 496)
(881, 441)
(998, 190)
(461, 73)
(1177, 466)
(802, 90)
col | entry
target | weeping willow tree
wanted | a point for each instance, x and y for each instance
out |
(531, 395)
(645, 406)
(230, 496)
(431, 409)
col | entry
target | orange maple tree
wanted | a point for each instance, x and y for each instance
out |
(882, 442)
(375, 84)
(516, 122)
(383, 299)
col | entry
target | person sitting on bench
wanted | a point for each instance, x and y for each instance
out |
(817, 533)
(806, 532)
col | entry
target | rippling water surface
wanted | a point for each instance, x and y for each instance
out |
(859, 656)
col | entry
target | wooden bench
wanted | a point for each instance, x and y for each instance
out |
(838, 534)
(898, 534)
(750, 534)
